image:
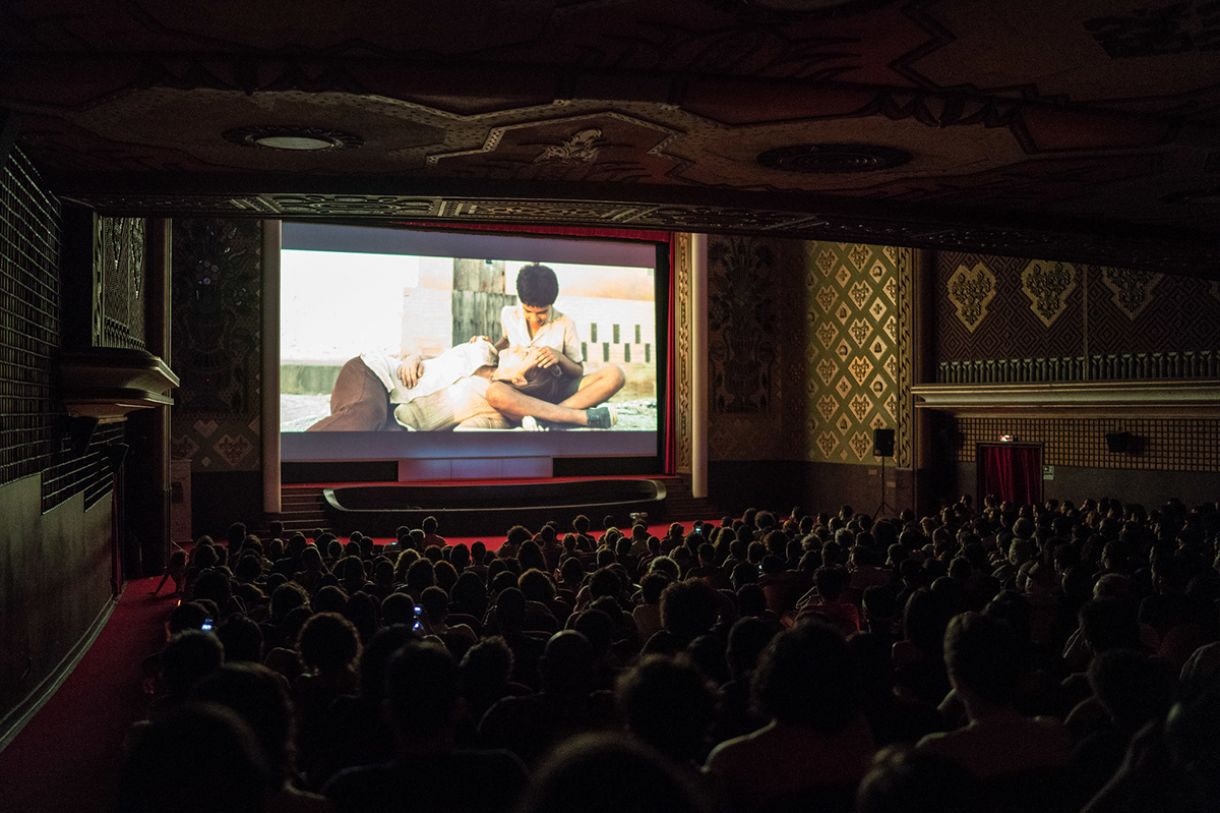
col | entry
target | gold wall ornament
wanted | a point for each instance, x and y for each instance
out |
(1048, 286)
(683, 359)
(1131, 289)
(971, 291)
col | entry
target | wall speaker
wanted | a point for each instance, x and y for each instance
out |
(883, 442)
(1119, 442)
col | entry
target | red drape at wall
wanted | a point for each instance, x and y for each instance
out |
(1012, 472)
(669, 458)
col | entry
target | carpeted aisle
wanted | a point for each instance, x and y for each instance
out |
(68, 757)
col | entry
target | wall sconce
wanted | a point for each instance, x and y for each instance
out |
(1008, 438)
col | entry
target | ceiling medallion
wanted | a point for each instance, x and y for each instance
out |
(783, 10)
(830, 158)
(289, 137)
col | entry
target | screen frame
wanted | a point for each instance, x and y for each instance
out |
(581, 451)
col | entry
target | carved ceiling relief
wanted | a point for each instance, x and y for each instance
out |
(971, 291)
(599, 147)
(1048, 285)
(1131, 289)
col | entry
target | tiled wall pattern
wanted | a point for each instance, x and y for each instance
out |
(30, 236)
(1173, 444)
(216, 343)
(1005, 319)
(857, 374)
(33, 427)
(809, 349)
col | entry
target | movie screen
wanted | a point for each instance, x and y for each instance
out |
(380, 333)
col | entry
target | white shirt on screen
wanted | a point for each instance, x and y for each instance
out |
(559, 332)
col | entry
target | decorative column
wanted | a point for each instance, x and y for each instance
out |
(157, 338)
(270, 423)
(699, 366)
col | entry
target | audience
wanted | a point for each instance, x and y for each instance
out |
(1040, 657)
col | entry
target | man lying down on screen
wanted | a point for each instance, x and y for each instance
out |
(375, 392)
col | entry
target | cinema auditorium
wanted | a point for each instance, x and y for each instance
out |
(696, 406)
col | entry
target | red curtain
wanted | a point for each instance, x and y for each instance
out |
(1012, 472)
(669, 456)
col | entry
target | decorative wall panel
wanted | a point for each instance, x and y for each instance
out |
(971, 291)
(216, 343)
(1174, 314)
(743, 306)
(1187, 444)
(754, 344)
(682, 350)
(857, 366)
(30, 236)
(119, 273)
(1011, 325)
(1048, 286)
(1050, 321)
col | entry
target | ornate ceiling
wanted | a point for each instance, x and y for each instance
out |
(1087, 130)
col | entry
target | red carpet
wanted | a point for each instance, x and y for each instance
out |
(68, 757)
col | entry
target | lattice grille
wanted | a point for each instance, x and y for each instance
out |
(1186, 444)
(90, 472)
(119, 257)
(30, 233)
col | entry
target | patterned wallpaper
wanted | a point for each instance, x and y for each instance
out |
(682, 351)
(808, 349)
(1176, 444)
(1097, 322)
(857, 370)
(754, 347)
(982, 309)
(216, 342)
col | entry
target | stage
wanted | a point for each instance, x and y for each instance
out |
(488, 507)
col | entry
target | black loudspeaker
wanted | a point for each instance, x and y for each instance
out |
(883, 442)
(115, 454)
(1118, 442)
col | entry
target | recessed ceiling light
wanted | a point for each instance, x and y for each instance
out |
(833, 158)
(287, 142)
(296, 139)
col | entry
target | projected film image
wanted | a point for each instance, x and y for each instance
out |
(375, 342)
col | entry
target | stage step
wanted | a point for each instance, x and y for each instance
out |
(304, 509)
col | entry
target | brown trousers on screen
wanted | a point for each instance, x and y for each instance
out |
(358, 402)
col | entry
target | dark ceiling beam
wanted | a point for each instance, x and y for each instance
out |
(1173, 249)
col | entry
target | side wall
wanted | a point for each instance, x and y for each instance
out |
(1002, 320)
(217, 341)
(57, 535)
(809, 354)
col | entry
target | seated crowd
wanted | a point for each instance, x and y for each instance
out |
(1052, 658)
